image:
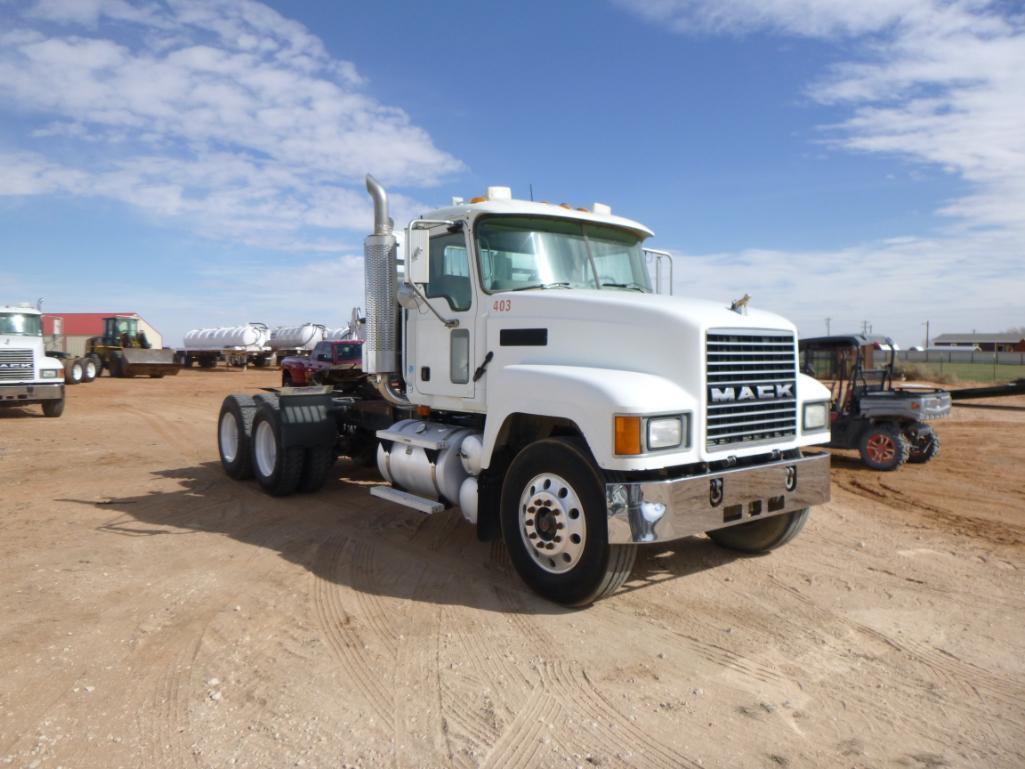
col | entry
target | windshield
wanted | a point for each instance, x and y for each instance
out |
(518, 252)
(348, 351)
(21, 324)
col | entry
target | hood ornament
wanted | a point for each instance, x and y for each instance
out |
(739, 306)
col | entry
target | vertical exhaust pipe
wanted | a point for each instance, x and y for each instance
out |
(380, 268)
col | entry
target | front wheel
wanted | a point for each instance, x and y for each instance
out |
(554, 524)
(53, 408)
(761, 536)
(884, 447)
(924, 448)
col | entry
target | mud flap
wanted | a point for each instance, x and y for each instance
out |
(307, 421)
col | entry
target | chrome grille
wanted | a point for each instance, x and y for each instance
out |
(752, 388)
(16, 365)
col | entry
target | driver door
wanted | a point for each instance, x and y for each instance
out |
(443, 363)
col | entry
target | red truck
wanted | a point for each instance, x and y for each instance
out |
(336, 363)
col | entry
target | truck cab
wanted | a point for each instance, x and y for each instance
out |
(27, 374)
(536, 373)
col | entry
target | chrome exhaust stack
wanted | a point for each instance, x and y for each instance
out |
(380, 268)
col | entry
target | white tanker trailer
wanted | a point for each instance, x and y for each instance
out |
(238, 345)
(295, 340)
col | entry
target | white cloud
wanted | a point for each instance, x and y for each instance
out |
(934, 82)
(222, 112)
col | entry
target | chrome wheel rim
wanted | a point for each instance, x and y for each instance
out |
(266, 449)
(552, 524)
(90, 368)
(228, 433)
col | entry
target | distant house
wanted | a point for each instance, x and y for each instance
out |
(68, 331)
(986, 342)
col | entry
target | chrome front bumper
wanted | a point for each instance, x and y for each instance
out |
(659, 511)
(31, 393)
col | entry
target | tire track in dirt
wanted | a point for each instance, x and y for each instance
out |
(343, 637)
(519, 745)
(965, 676)
(957, 523)
(613, 729)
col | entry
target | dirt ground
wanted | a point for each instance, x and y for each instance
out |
(158, 614)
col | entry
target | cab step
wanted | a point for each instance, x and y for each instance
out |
(404, 498)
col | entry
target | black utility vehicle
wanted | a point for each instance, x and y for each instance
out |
(886, 424)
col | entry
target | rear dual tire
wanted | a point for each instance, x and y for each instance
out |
(249, 442)
(74, 371)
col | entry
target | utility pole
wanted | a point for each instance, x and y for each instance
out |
(827, 326)
(926, 324)
(864, 327)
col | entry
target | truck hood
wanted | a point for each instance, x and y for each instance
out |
(622, 329)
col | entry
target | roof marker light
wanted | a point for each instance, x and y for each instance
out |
(478, 199)
(601, 208)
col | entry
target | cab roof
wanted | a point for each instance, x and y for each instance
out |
(513, 207)
(24, 309)
(845, 340)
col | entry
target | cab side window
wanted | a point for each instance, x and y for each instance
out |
(450, 271)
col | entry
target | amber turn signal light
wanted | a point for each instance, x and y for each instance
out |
(628, 435)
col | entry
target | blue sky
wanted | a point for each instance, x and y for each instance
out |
(200, 161)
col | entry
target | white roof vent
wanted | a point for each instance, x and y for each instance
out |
(456, 200)
(499, 193)
(602, 209)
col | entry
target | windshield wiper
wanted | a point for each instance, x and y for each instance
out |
(634, 286)
(561, 284)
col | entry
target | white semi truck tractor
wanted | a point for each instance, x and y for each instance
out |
(27, 375)
(521, 367)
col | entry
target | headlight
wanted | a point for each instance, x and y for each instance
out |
(639, 435)
(51, 373)
(665, 432)
(816, 416)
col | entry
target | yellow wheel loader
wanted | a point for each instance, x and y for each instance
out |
(125, 351)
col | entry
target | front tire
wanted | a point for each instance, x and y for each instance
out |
(884, 447)
(926, 448)
(761, 536)
(555, 525)
(53, 408)
(278, 470)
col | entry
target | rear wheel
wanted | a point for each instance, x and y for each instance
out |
(924, 448)
(277, 469)
(53, 408)
(317, 463)
(73, 371)
(883, 447)
(98, 362)
(761, 536)
(89, 369)
(234, 435)
(286, 378)
(117, 365)
(555, 527)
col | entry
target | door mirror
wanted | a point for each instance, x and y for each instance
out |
(418, 255)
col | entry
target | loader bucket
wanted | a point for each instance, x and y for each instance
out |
(141, 362)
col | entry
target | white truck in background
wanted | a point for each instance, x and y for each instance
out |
(236, 345)
(520, 366)
(27, 374)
